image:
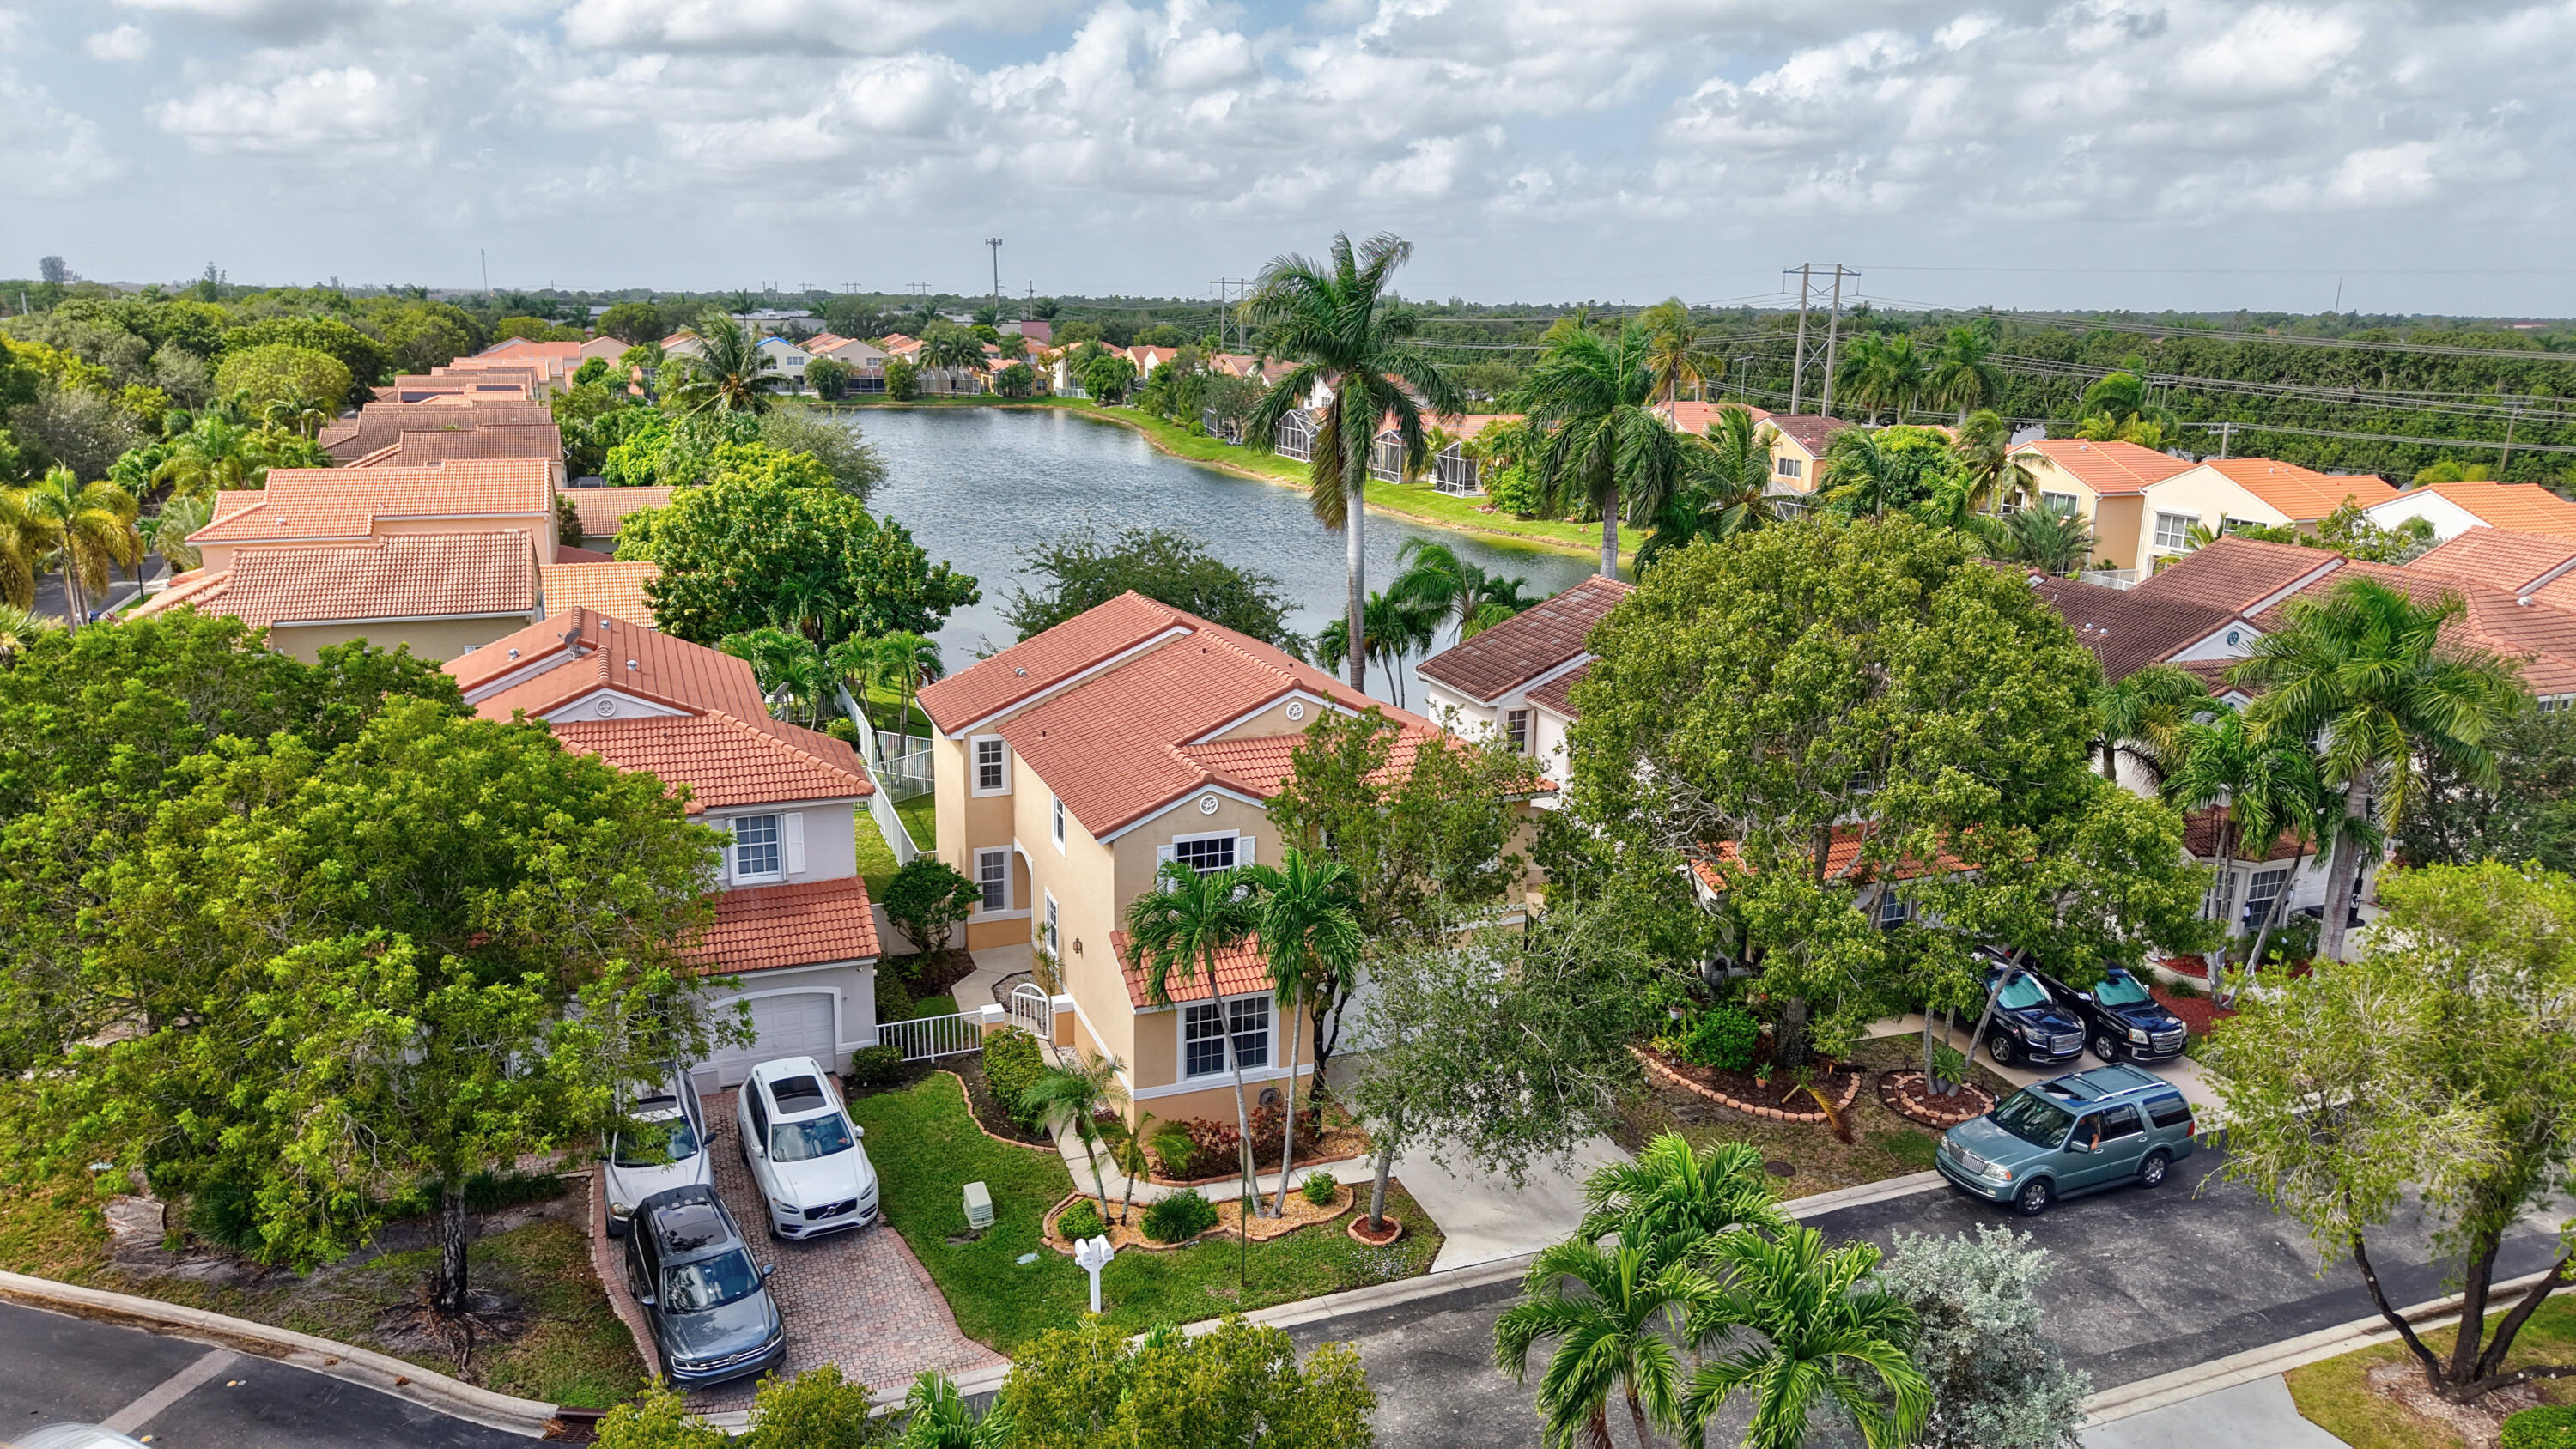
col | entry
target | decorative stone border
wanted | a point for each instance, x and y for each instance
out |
(1357, 1227)
(1978, 1101)
(969, 1099)
(1656, 1068)
(1049, 1236)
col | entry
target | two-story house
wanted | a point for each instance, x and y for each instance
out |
(1513, 680)
(1073, 765)
(794, 935)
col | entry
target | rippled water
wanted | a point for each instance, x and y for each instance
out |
(978, 485)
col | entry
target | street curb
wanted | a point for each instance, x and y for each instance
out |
(365, 1367)
(2128, 1400)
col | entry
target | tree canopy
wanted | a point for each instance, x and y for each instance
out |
(1081, 571)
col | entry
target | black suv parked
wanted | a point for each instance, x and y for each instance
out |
(2030, 1024)
(687, 1264)
(2122, 1022)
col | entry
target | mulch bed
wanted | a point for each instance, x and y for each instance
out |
(2197, 1012)
(1131, 1234)
(1338, 1143)
(1779, 1101)
(927, 975)
(1905, 1093)
(986, 1109)
(1358, 1228)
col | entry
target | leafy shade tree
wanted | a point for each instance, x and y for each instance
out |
(1608, 1309)
(1106, 376)
(1308, 924)
(1081, 571)
(1334, 321)
(1878, 471)
(854, 464)
(725, 372)
(437, 949)
(1606, 450)
(1803, 1334)
(90, 527)
(1182, 930)
(817, 1409)
(635, 322)
(829, 377)
(736, 551)
(2367, 665)
(1997, 1382)
(1078, 1388)
(1433, 575)
(281, 372)
(1726, 480)
(2529, 814)
(930, 899)
(903, 381)
(2431, 1076)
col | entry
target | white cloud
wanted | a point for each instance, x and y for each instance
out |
(869, 27)
(348, 113)
(44, 149)
(125, 42)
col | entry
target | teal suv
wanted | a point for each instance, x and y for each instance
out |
(2072, 1135)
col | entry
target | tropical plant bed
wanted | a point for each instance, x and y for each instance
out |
(1300, 1214)
(986, 1109)
(926, 1148)
(1906, 1093)
(2376, 1399)
(925, 974)
(1341, 1142)
(1778, 1099)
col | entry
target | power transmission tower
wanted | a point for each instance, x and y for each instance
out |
(1820, 352)
(996, 244)
(1228, 291)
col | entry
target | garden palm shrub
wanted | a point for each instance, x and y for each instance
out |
(1178, 1218)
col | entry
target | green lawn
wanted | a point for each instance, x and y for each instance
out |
(926, 1149)
(921, 820)
(876, 858)
(2336, 1397)
(942, 1005)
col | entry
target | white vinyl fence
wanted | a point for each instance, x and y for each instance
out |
(928, 1038)
(881, 802)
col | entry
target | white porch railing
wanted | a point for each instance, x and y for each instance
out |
(2109, 578)
(928, 1038)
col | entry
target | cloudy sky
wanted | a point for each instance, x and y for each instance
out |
(2023, 153)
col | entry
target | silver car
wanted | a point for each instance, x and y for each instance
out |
(663, 1146)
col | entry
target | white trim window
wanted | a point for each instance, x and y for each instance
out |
(1203, 1040)
(757, 853)
(1055, 814)
(2063, 502)
(2173, 530)
(1788, 467)
(993, 878)
(2265, 888)
(1893, 909)
(992, 765)
(1516, 730)
(1207, 854)
(1054, 926)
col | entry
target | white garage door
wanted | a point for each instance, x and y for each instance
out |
(798, 1024)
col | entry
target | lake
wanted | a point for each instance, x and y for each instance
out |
(977, 486)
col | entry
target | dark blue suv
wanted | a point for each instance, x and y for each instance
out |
(2121, 1019)
(2030, 1024)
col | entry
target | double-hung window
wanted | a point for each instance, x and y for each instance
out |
(755, 847)
(1056, 817)
(1516, 729)
(1892, 909)
(992, 765)
(1790, 467)
(2173, 530)
(2261, 892)
(993, 878)
(1204, 1027)
(1205, 854)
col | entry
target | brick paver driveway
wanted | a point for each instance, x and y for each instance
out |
(857, 1299)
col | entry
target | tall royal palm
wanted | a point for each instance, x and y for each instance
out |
(1182, 929)
(91, 526)
(1606, 448)
(1607, 1309)
(1961, 372)
(1726, 481)
(1679, 351)
(1334, 323)
(1800, 1331)
(2368, 667)
(726, 373)
(2267, 779)
(1309, 929)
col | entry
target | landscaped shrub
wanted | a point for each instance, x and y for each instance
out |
(1186, 1151)
(1512, 491)
(894, 992)
(1079, 1221)
(930, 898)
(1318, 1189)
(1721, 1037)
(2551, 1426)
(876, 1066)
(903, 381)
(1265, 1131)
(1178, 1218)
(1012, 1065)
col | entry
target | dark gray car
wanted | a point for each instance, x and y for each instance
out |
(708, 1304)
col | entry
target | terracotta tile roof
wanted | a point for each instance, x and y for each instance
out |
(600, 583)
(2539, 636)
(2128, 629)
(2300, 494)
(1044, 660)
(1527, 645)
(2200, 838)
(584, 650)
(306, 504)
(382, 424)
(2233, 573)
(1557, 695)
(519, 347)
(1842, 858)
(2498, 558)
(1258, 765)
(1695, 417)
(417, 447)
(567, 554)
(804, 924)
(724, 761)
(1240, 971)
(1811, 431)
(2108, 468)
(406, 576)
(603, 510)
(230, 501)
(2525, 506)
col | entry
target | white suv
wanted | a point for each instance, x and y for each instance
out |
(663, 1147)
(803, 1150)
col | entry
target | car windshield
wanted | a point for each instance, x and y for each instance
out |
(2021, 993)
(820, 1137)
(2034, 1119)
(709, 1283)
(2120, 991)
(657, 1143)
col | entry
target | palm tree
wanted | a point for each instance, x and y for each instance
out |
(728, 373)
(1608, 1328)
(1435, 577)
(1674, 1198)
(1881, 373)
(90, 527)
(1859, 473)
(1984, 449)
(26, 540)
(907, 661)
(1185, 926)
(1961, 372)
(1678, 350)
(1726, 487)
(952, 350)
(1070, 1096)
(1309, 928)
(937, 1416)
(2367, 666)
(2141, 715)
(781, 662)
(1606, 447)
(1802, 1331)
(19, 631)
(2052, 538)
(167, 531)
(1333, 321)
(2268, 782)
(212, 456)
(1394, 628)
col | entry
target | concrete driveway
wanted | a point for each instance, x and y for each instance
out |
(1484, 1216)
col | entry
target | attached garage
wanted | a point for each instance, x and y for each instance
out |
(786, 1024)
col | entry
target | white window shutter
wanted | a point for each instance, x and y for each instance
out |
(1163, 854)
(1243, 850)
(791, 841)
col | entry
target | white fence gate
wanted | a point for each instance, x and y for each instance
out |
(1033, 1011)
(928, 1038)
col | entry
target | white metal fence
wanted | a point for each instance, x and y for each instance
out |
(881, 801)
(909, 773)
(928, 1038)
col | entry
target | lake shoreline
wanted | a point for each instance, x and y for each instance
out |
(1151, 428)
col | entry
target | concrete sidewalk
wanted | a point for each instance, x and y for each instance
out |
(2256, 1415)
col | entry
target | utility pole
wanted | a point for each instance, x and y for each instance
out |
(996, 244)
(2226, 432)
(1798, 353)
(486, 258)
(2510, 419)
(1833, 336)
(1227, 289)
(1807, 353)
